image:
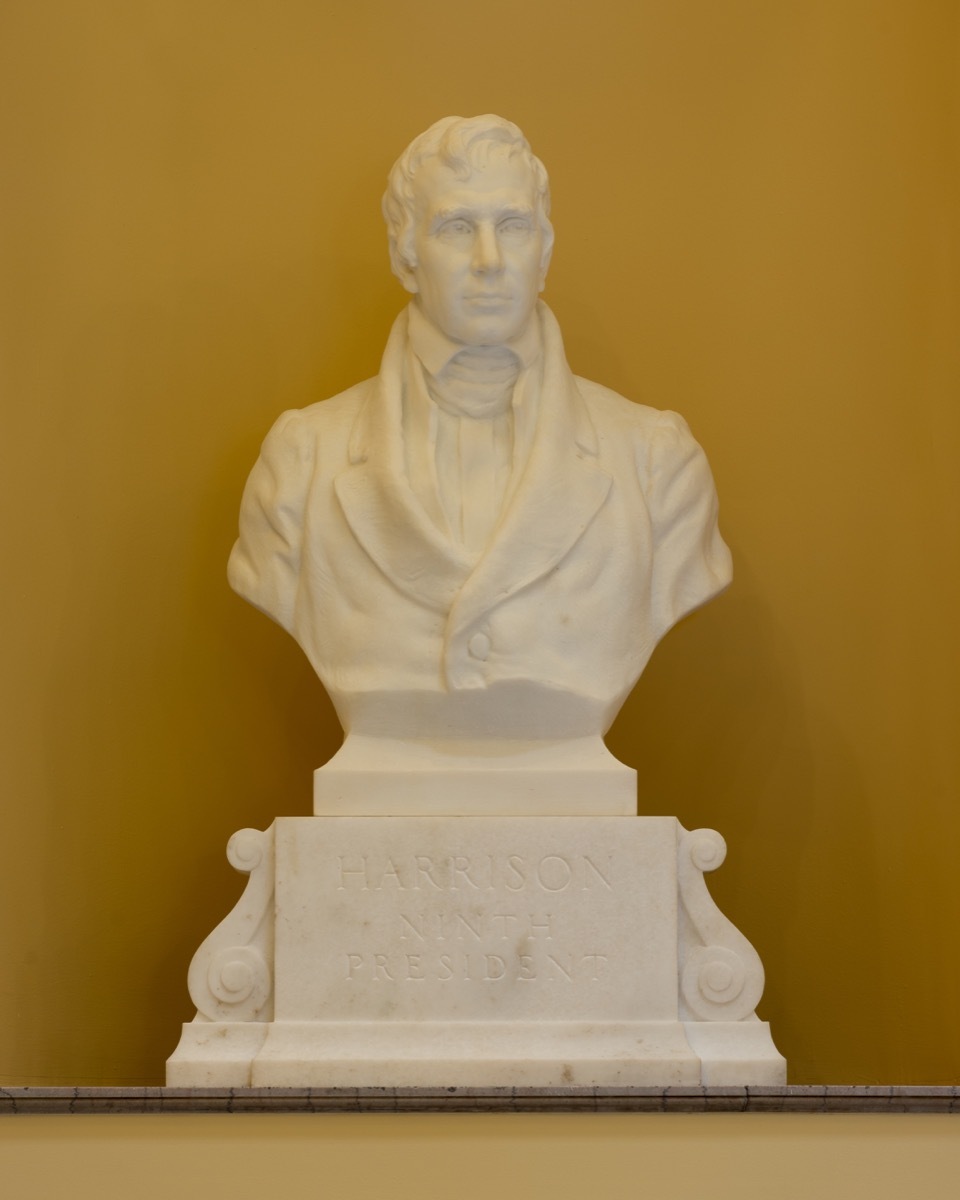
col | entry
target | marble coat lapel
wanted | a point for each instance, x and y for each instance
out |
(380, 507)
(559, 493)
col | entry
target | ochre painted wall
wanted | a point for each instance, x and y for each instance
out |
(731, 1156)
(756, 210)
(725, 1156)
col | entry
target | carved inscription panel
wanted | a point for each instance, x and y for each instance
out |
(473, 918)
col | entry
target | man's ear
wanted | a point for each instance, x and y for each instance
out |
(407, 276)
(404, 270)
(545, 262)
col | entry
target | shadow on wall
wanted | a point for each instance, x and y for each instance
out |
(722, 701)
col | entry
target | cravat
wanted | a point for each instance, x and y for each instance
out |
(474, 439)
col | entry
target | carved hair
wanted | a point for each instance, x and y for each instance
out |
(464, 144)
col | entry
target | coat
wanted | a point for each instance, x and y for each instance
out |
(608, 539)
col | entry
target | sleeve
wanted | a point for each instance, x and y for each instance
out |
(691, 562)
(264, 566)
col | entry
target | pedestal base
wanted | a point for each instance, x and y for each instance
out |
(379, 776)
(404, 1054)
(475, 951)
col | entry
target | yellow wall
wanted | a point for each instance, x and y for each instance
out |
(725, 1157)
(756, 206)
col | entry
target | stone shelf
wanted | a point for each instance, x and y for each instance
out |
(805, 1099)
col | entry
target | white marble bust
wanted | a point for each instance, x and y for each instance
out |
(477, 542)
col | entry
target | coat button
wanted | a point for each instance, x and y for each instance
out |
(479, 646)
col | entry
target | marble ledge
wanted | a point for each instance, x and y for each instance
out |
(799, 1099)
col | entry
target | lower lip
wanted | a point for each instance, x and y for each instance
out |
(488, 301)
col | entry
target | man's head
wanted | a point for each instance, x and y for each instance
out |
(467, 210)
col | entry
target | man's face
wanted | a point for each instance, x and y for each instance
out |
(481, 259)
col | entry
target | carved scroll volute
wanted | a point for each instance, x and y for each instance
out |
(721, 976)
(231, 975)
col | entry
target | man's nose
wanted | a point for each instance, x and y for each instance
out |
(486, 250)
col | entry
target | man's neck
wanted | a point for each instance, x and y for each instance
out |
(435, 350)
(477, 382)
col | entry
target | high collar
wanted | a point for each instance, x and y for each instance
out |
(561, 487)
(435, 350)
(379, 419)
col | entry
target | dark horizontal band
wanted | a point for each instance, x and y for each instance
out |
(637, 1099)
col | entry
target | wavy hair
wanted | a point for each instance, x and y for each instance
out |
(464, 145)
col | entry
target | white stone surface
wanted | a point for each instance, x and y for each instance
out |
(478, 551)
(518, 919)
(477, 543)
(374, 776)
(476, 951)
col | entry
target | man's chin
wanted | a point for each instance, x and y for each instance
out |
(489, 332)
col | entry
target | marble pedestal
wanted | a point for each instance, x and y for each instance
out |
(475, 951)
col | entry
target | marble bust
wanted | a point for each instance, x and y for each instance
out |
(477, 543)
(478, 551)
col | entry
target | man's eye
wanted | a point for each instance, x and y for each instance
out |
(455, 228)
(514, 225)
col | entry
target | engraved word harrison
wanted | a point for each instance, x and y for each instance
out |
(465, 873)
